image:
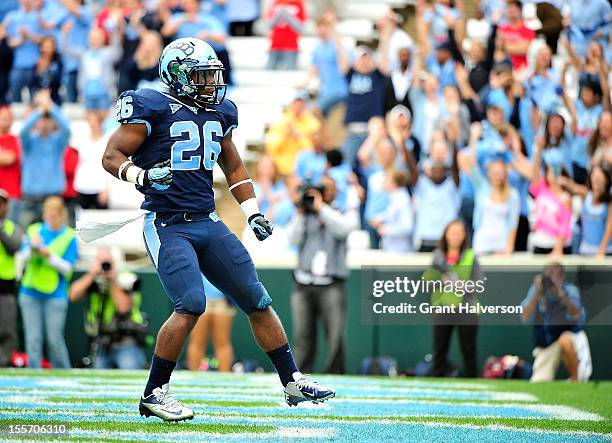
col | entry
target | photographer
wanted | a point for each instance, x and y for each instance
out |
(319, 230)
(554, 308)
(113, 319)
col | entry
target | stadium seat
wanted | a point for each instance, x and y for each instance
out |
(265, 77)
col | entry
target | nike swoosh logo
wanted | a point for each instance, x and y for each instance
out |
(171, 412)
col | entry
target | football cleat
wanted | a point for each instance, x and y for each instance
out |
(306, 389)
(161, 403)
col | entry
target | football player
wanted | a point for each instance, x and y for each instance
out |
(167, 145)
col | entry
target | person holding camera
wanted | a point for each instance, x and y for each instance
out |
(554, 307)
(319, 231)
(47, 257)
(113, 319)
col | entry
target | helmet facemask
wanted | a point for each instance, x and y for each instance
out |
(206, 84)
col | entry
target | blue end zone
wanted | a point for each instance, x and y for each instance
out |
(381, 403)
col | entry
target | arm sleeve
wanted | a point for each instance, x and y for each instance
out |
(476, 177)
(403, 221)
(537, 187)
(339, 224)
(28, 124)
(514, 212)
(230, 116)
(295, 229)
(11, 242)
(565, 223)
(457, 56)
(573, 294)
(62, 266)
(65, 263)
(490, 57)
(527, 300)
(63, 127)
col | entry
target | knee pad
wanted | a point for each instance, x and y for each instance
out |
(254, 298)
(193, 302)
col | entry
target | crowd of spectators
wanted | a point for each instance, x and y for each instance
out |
(485, 118)
(507, 129)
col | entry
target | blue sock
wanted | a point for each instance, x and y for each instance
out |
(282, 359)
(160, 373)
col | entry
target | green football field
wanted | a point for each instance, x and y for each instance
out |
(103, 406)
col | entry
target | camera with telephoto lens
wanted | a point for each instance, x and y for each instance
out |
(547, 283)
(106, 266)
(306, 201)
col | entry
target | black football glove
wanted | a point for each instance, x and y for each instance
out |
(158, 177)
(260, 226)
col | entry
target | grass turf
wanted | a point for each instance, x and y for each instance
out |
(38, 396)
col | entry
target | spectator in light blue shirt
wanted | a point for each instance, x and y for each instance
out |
(544, 84)
(589, 20)
(7, 6)
(241, 14)
(76, 25)
(589, 107)
(44, 138)
(272, 194)
(436, 26)
(218, 9)
(24, 30)
(442, 65)
(341, 172)
(310, 164)
(195, 23)
(96, 81)
(395, 223)
(334, 87)
(376, 156)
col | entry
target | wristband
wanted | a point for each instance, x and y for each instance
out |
(250, 207)
(124, 165)
(133, 175)
(241, 182)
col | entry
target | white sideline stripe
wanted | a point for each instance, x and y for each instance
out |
(279, 420)
(61, 383)
(250, 380)
(187, 436)
(264, 395)
(255, 420)
(558, 412)
(302, 432)
(98, 396)
(565, 412)
(428, 394)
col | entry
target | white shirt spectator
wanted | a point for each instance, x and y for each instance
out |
(399, 39)
(90, 177)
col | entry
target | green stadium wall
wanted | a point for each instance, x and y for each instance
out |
(406, 343)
